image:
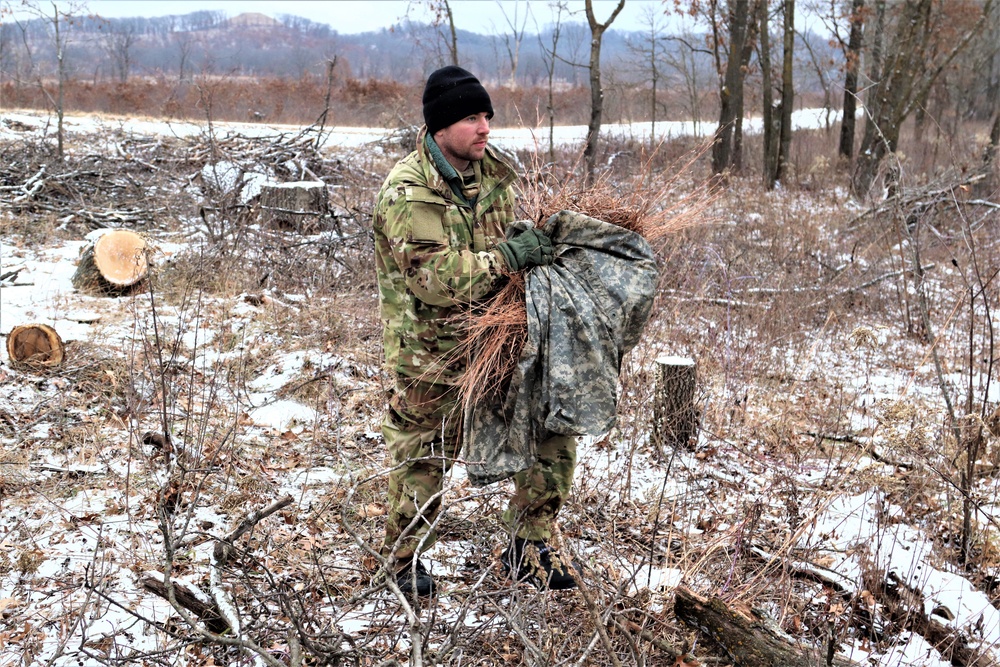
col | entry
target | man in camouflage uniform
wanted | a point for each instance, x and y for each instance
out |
(440, 248)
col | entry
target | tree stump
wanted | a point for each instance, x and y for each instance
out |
(293, 205)
(35, 346)
(675, 418)
(115, 262)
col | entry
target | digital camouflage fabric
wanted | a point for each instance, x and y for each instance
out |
(434, 257)
(585, 311)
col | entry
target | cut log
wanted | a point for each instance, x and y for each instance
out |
(675, 418)
(746, 641)
(35, 346)
(115, 262)
(294, 204)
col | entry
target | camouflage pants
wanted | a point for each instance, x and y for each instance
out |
(423, 435)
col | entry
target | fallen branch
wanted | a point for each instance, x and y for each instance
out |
(224, 547)
(745, 641)
(188, 596)
(844, 586)
(904, 606)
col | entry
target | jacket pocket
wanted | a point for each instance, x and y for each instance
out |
(427, 213)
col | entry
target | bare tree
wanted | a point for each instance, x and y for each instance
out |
(770, 145)
(443, 12)
(739, 103)
(991, 155)
(119, 38)
(821, 63)
(726, 148)
(685, 62)
(925, 41)
(512, 40)
(596, 93)
(787, 88)
(57, 20)
(852, 66)
(549, 57)
(649, 50)
(185, 46)
(443, 22)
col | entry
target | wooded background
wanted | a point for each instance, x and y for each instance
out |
(936, 64)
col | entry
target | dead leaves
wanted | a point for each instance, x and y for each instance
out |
(371, 510)
(686, 661)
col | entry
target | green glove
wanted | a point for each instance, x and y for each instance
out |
(529, 248)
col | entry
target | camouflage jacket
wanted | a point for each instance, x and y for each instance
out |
(435, 256)
(584, 311)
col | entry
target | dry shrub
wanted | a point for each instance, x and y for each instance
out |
(657, 206)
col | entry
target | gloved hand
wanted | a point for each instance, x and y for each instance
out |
(529, 248)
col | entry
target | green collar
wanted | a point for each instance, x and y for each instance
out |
(447, 169)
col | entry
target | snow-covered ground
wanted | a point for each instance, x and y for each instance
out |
(508, 138)
(79, 528)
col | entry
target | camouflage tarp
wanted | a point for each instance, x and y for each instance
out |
(585, 311)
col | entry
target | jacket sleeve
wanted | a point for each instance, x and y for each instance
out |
(437, 268)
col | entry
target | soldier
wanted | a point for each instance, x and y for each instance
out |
(440, 248)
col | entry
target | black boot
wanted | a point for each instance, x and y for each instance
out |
(420, 581)
(537, 562)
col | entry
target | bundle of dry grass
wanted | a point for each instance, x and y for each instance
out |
(656, 206)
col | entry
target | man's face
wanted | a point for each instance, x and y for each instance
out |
(464, 141)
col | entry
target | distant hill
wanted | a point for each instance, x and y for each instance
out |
(254, 44)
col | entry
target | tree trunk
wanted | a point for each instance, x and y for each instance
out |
(848, 120)
(892, 91)
(745, 641)
(445, 10)
(61, 82)
(739, 101)
(652, 106)
(596, 92)
(731, 94)
(875, 53)
(675, 418)
(35, 346)
(770, 152)
(550, 65)
(453, 43)
(991, 161)
(912, 66)
(991, 155)
(787, 91)
(115, 262)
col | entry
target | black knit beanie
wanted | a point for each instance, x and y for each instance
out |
(450, 95)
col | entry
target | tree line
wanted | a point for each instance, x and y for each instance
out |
(883, 62)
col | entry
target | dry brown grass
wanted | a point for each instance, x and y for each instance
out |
(777, 304)
(496, 332)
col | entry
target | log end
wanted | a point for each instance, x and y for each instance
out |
(120, 257)
(35, 346)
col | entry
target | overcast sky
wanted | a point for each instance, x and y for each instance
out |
(353, 16)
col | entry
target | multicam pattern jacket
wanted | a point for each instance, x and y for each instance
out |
(435, 256)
